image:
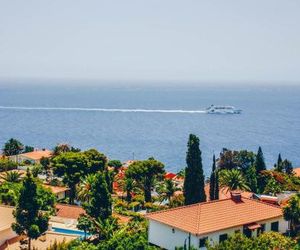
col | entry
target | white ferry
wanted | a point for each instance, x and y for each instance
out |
(222, 110)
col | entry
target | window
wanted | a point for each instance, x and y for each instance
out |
(275, 226)
(173, 230)
(222, 237)
(202, 241)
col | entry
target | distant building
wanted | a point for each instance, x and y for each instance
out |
(213, 222)
(60, 192)
(33, 157)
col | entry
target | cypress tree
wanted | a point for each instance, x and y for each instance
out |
(194, 178)
(30, 220)
(288, 167)
(260, 166)
(99, 205)
(278, 166)
(212, 181)
(217, 185)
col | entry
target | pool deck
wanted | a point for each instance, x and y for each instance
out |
(41, 243)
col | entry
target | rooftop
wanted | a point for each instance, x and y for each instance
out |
(207, 217)
(56, 189)
(69, 211)
(37, 155)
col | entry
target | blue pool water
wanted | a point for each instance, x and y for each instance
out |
(68, 231)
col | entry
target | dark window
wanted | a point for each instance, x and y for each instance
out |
(222, 237)
(173, 230)
(275, 226)
(202, 242)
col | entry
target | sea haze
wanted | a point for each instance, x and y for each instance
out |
(133, 120)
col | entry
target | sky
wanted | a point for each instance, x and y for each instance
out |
(154, 40)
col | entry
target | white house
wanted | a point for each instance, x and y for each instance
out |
(60, 192)
(213, 222)
(33, 157)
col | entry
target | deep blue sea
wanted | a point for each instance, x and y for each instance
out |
(270, 119)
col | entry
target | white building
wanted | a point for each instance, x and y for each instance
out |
(33, 157)
(213, 222)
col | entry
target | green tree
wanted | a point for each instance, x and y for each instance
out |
(260, 166)
(6, 164)
(28, 149)
(97, 160)
(12, 147)
(145, 173)
(251, 178)
(116, 164)
(45, 162)
(30, 221)
(71, 166)
(100, 203)
(213, 182)
(291, 212)
(287, 166)
(272, 187)
(64, 148)
(84, 224)
(194, 178)
(278, 165)
(128, 188)
(233, 179)
(265, 241)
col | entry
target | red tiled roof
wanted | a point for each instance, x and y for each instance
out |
(213, 216)
(69, 211)
(297, 171)
(170, 176)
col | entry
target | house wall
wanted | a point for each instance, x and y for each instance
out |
(164, 236)
(6, 234)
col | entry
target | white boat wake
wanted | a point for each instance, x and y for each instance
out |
(108, 110)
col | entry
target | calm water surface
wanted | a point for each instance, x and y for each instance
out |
(270, 118)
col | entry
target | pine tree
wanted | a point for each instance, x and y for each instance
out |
(100, 203)
(260, 166)
(278, 166)
(30, 221)
(194, 178)
(212, 181)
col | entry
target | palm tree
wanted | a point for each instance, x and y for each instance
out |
(291, 212)
(105, 228)
(84, 188)
(11, 176)
(166, 190)
(233, 180)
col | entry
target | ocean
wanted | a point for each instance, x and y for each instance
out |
(139, 122)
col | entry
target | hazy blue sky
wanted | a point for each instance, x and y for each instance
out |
(163, 40)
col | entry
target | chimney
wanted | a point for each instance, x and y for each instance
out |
(236, 196)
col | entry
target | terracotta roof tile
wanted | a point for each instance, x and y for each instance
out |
(213, 216)
(69, 211)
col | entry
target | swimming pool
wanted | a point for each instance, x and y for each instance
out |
(68, 231)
